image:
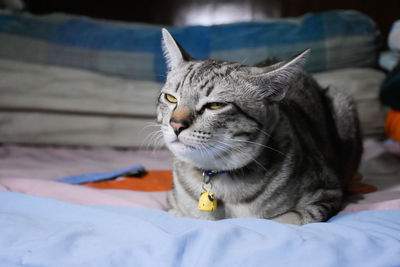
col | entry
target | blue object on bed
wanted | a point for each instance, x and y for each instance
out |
(96, 177)
(37, 231)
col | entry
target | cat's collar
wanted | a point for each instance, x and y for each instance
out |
(208, 174)
(213, 172)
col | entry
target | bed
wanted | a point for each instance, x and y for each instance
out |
(77, 96)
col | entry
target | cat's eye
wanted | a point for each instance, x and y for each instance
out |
(215, 105)
(171, 98)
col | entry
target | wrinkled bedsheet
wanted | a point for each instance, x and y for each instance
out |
(37, 231)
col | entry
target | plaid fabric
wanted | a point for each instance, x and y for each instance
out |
(337, 39)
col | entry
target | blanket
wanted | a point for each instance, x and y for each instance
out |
(35, 233)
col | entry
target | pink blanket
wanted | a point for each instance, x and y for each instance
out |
(79, 194)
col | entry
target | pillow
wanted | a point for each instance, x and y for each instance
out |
(337, 38)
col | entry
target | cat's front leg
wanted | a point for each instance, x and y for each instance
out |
(318, 212)
(173, 207)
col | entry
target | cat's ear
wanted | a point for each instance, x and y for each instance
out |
(272, 83)
(173, 52)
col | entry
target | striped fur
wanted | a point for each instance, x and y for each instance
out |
(291, 146)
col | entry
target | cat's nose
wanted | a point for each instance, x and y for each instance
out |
(178, 125)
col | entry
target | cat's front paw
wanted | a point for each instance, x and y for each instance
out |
(289, 218)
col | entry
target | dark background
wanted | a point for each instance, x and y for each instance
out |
(175, 12)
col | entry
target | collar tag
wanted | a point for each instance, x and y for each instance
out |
(207, 201)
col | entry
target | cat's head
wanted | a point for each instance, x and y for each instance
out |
(218, 115)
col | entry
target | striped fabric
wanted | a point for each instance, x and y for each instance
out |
(337, 39)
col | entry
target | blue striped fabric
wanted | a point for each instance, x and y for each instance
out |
(337, 39)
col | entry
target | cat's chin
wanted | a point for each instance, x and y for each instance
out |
(194, 156)
(180, 148)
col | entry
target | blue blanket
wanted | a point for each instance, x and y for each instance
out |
(37, 231)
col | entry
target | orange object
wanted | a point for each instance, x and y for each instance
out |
(360, 188)
(160, 180)
(392, 125)
(356, 187)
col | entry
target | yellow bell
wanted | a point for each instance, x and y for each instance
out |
(207, 201)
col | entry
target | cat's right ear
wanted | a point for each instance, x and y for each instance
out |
(273, 83)
(173, 52)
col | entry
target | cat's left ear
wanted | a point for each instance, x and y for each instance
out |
(273, 83)
(173, 52)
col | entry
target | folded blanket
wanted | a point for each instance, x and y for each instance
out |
(337, 38)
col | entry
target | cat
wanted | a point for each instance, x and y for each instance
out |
(273, 144)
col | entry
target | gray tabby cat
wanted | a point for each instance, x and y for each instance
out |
(282, 147)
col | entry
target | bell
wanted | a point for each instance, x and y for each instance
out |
(207, 201)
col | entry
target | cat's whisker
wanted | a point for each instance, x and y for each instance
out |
(151, 139)
(222, 149)
(148, 125)
(258, 144)
(255, 143)
(240, 150)
(246, 141)
(159, 143)
(259, 164)
(231, 147)
(155, 143)
(267, 134)
(202, 147)
(209, 153)
(152, 135)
